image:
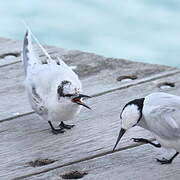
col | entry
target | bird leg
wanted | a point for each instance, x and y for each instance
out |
(55, 131)
(167, 161)
(65, 126)
(146, 141)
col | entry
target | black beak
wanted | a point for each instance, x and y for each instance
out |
(121, 133)
(83, 96)
(77, 100)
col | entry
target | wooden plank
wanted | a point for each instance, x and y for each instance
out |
(98, 74)
(19, 105)
(10, 51)
(9, 47)
(29, 138)
(136, 163)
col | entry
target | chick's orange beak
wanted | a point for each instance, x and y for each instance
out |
(78, 100)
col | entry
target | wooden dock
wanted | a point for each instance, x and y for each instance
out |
(28, 149)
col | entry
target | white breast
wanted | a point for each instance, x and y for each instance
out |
(63, 111)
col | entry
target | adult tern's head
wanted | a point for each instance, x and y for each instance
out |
(130, 116)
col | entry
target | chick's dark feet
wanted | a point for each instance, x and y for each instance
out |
(65, 126)
(54, 130)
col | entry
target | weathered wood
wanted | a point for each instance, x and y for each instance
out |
(98, 74)
(29, 138)
(10, 51)
(19, 104)
(133, 164)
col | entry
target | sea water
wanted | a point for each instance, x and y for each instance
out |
(139, 30)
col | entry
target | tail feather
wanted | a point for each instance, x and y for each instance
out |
(42, 48)
(49, 60)
(29, 58)
(28, 55)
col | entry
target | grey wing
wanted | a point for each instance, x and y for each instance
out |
(37, 102)
(164, 121)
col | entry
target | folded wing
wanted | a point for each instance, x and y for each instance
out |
(162, 115)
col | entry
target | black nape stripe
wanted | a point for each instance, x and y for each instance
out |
(139, 103)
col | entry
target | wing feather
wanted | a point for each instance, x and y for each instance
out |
(162, 115)
(28, 56)
(37, 102)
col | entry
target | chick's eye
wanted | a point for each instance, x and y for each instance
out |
(68, 95)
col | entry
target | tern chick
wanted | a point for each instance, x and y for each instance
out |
(54, 90)
(160, 114)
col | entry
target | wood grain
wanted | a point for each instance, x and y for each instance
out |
(136, 163)
(29, 138)
(88, 146)
(98, 74)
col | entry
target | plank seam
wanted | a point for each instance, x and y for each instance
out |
(4, 65)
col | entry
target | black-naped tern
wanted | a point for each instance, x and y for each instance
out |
(159, 113)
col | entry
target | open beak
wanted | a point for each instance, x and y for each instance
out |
(121, 133)
(78, 98)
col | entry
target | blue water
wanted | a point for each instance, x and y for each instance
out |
(140, 30)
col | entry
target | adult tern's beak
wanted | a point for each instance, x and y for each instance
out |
(78, 98)
(121, 133)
